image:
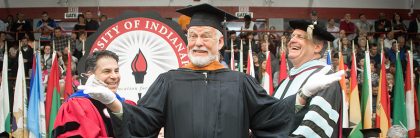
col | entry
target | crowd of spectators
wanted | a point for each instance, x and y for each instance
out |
(19, 32)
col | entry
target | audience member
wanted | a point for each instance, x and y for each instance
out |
(103, 18)
(249, 25)
(347, 25)
(9, 22)
(341, 35)
(81, 23)
(47, 56)
(363, 24)
(332, 28)
(21, 26)
(315, 20)
(414, 27)
(91, 24)
(389, 39)
(61, 39)
(382, 25)
(45, 26)
(374, 54)
(397, 25)
(13, 61)
(3, 26)
(28, 54)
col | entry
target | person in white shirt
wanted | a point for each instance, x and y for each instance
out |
(332, 28)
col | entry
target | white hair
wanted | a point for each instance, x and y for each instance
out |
(204, 61)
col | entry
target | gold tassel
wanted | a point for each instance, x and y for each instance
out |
(309, 31)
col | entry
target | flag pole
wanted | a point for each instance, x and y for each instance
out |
(68, 46)
(241, 57)
(5, 46)
(83, 47)
(53, 44)
(411, 45)
(39, 45)
(20, 45)
(367, 45)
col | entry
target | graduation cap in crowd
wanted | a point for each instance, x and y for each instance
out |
(371, 132)
(207, 15)
(313, 30)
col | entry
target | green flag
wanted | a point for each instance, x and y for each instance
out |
(53, 97)
(367, 94)
(398, 106)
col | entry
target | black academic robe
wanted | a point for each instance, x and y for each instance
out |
(204, 104)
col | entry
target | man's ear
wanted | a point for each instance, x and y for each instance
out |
(221, 43)
(318, 47)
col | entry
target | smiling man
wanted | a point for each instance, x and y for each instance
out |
(82, 116)
(204, 99)
(306, 47)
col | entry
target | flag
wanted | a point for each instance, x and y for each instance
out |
(267, 81)
(409, 97)
(36, 108)
(232, 56)
(329, 57)
(20, 102)
(354, 103)
(399, 113)
(4, 97)
(250, 63)
(283, 67)
(367, 93)
(241, 58)
(383, 117)
(53, 96)
(418, 99)
(345, 105)
(68, 88)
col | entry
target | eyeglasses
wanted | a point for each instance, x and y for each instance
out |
(299, 36)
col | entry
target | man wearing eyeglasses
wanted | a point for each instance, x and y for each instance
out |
(319, 118)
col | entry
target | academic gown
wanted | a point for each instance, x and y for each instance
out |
(82, 116)
(320, 117)
(205, 104)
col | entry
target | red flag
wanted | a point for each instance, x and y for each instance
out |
(250, 64)
(409, 95)
(382, 104)
(53, 97)
(68, 89)
(268, 76)
(283, 67)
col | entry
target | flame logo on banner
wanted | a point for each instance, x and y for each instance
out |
(139, 67)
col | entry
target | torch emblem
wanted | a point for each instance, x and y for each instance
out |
(139, 67)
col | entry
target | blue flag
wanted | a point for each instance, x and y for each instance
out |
(36, 109)
(329, 57)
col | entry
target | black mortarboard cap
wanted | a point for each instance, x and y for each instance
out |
(317, 31)
(346, 132)
(371, 132)
(207, 15)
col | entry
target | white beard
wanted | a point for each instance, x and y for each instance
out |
(201, 61)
